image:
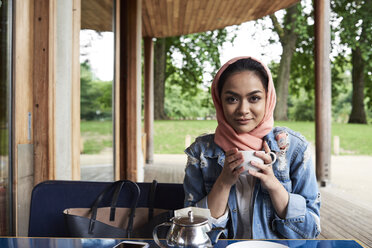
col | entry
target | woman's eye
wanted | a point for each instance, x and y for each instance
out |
(254, 98)
(231, 99)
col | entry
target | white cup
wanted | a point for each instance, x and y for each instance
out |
(249, 156)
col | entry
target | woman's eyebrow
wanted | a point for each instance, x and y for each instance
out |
(231, 93)
(237, 94)
(255, 92)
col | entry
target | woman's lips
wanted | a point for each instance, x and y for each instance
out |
(243, 121)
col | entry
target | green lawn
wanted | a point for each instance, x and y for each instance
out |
(169, 136)
(4, 143)
(96, 135)
(354, 138)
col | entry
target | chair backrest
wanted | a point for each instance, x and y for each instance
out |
(50, 198)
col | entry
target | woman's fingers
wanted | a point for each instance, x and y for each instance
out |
(233, 158)
(256, 174)
(236, 163)
(231, 151)
(238, 170)
(260, 166)
(266, 147)
(231, 170)
(265, 156)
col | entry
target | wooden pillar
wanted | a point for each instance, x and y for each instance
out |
(75, 90)
(23, 169)
(44, 90)
(129, 27)
(322, 90)
(149, 98)
(116, 87)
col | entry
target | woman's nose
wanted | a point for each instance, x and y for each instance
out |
(243, 108)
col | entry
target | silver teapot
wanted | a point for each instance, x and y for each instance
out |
(188, 231)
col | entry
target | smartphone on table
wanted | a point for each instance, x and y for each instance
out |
(131, 244)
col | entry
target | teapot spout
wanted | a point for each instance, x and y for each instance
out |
(215, 234)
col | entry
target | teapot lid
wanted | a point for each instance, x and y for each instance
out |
(190, 220)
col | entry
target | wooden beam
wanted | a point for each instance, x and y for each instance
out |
(116, 86)
(44, 89)
(23, 100)
(75, 91)
(149, 98)
(130, 80)
(322, 90)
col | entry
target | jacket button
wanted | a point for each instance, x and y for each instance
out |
(234, 210)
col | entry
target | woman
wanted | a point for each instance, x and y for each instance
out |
(280, 200)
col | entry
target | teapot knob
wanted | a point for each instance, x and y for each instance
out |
(191, 216)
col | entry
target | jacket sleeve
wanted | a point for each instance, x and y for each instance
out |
(303, 217)
(195, 192)
(193, 182)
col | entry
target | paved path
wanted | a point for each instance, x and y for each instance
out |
(350, 175)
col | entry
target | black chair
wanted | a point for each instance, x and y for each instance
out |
(50, 198)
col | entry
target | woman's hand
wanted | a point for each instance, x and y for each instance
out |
(265, 173)
(230, 172)
(278, 194)
(219, 195)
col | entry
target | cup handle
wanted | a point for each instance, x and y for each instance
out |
(155, 234)
(273, 157)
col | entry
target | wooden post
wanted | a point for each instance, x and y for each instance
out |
(322, 90)
(130, 86)
(149, 98)
(23, 71)
(75, 89)
(116, 86)
(44, 90)
(336, 145)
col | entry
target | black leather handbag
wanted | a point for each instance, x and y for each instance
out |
(104, 222)
(147, 218)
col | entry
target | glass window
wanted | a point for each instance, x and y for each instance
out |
(96, 80)
(5, 112)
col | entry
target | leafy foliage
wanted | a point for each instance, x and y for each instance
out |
(191, 61)
(302, 66)
(95, 96)
(190, 55)
(180, 108)
(301, 107)
(355, 32)
(351, 27)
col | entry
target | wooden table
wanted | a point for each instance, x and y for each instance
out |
(25, 242)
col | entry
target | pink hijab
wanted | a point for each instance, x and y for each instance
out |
(225, 135)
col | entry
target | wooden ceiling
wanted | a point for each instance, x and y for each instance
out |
(164, 18)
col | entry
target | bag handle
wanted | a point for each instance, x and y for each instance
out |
(151, 199)
(118, 187)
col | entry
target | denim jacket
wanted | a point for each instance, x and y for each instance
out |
(294, 169)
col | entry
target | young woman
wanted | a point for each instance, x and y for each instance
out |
(280, 200)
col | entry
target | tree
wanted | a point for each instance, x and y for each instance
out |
(355, 31)
(90, 93)
(288, 31)
(187, 57)
(160, 55)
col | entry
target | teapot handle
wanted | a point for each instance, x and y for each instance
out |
(155, 234)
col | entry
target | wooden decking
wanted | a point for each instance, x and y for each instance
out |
(343, 219)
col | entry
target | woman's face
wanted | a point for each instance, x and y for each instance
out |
(243, 100)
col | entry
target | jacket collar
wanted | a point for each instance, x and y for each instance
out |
(271, 141)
